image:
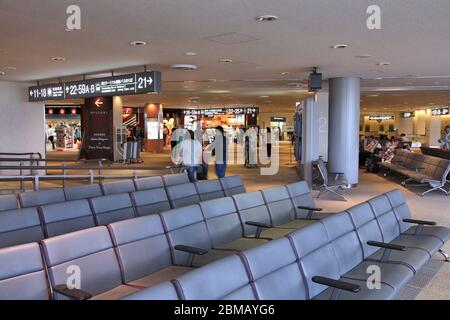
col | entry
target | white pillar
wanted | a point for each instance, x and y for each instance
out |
(118, 121)
(343, 137)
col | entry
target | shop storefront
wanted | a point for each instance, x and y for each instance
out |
(63, 127)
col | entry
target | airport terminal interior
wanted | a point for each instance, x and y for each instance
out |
(224, 150)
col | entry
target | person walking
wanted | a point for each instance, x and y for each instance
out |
(269, 142)
(221, 154)
(190, 154)
(51, 133)
(445, 139)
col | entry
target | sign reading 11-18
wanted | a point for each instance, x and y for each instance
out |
(135, 83)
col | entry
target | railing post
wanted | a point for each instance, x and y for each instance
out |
(100, 172)
(135, 174)
(36, 183)
(64, 175)
(21, 174)
(91, 177)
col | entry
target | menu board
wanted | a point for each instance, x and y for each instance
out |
(135, 83)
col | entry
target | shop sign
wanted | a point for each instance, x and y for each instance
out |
(381, 118)
(221, 111)
(440, 111)
(278, 119)
(410, 114)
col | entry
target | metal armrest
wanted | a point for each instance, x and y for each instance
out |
(420, 222)
(388, 246)
(191, 250)
(259, 227)
(310, 208)
(337, 284)
(73, 294)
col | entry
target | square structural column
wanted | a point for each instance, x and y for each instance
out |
(343, 134)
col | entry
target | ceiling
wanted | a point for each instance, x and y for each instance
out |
(414, 38)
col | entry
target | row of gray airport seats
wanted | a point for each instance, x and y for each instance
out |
(421, 168)
(88, 208)
(327, 260)
(127, 256)
(173, 184)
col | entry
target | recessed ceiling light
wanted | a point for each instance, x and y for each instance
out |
(373, 95)
(225, 60)
(285, 73)
(219, 91)
(363, 56)
(383, 64)
(184, 67)
(264, 97)
(191, 53)
(266, 18)
(10, 68)
(212, 80)
(2, 73)
(58, 59)
(339, 46)
(138, 43)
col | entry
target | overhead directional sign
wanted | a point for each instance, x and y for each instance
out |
(135, 83)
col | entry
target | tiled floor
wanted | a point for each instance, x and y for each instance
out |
(434, 206)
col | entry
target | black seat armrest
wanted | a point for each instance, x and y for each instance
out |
(74, 294)
(310, 208)
(388, 246)
(191, 250)
(259, 224)
(337, 284)
(422, 222)
(259, 227)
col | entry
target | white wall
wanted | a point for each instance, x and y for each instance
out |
(22, 124)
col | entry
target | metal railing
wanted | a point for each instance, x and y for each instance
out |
(100, 175)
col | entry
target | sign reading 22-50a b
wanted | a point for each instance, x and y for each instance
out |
(111, 86)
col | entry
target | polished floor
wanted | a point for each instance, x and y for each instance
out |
(434, 206)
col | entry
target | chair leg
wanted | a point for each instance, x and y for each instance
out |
(337, 193)
(445, 254)
(428, 191)
(406, 181)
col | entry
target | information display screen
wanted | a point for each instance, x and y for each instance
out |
(135, 83)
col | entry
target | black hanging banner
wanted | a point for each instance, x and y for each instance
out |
(98, 124)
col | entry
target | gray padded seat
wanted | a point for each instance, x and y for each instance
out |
(391, 231)
(40, 198)
(183, 195)
(232, 185)
(368, 229)
(19, 227)
(252, 208)
(143, 251)
(117, 187)
(281, 209)
(150, 201)
(186, 226)
(224, 226)
(348, 250)
(149, 183)
(317, 258)
(92, 251)
(109, 209)
(209, 190)
(300, 194)
(66, 217)
(8, 202)
(222, 280)
(275, 271)
(175, 179)
(162, 292)
(83, 192)
(22, 274)
(401, 210)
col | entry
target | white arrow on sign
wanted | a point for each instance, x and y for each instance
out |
(31, 93)
(98, 103)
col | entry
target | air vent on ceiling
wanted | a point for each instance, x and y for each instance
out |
(183, 67)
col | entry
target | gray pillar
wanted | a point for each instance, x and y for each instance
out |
(310, 138)
(343, 139)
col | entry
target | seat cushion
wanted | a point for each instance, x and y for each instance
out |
(211, 256)
(430, 244)
(385, 293)
(296, 224)
(442, 233)
(412, 257)
(394, 275)
(276, 233)
(242, 244)
(163, 291)
(116, 293)
(164, 275)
